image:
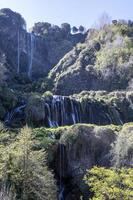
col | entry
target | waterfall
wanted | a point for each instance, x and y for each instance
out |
(50, 123)
(130, 100)
(11, 115)
(61, 194)
(63, 111)
(116, 114)
(73, 113)
(61, 173)
(32, 41)
(55, 100)
(109, 118)
(18, 55)
(60, 166)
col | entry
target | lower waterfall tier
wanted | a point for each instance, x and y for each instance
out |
(49, 110)
(74, 149)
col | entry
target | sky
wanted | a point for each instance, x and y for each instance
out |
(75, 12)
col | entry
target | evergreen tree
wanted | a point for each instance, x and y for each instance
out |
(24, 173)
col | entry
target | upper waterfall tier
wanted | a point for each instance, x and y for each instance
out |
(34, 53)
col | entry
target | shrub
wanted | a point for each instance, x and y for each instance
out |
(47, 95)
(123, 149)
(110, 184)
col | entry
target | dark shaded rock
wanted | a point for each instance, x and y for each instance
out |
(81, 148)
(35, 50)
(99, 108)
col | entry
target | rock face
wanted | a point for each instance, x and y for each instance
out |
(85, 70)
(75, 72)
(97, 64)
(11, 23)
(99, 108)
(95, 60)
(80, 148)
(83, 146)
(57, 40)
(88, 145)
(32, 53)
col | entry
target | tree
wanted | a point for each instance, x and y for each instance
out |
(110, 184)
(66, 28)
(46, 25)
(23, 171)
(103, 20)
(41, 28)
(130, 23)
(74, 29)
(114, 22)
(81, 29)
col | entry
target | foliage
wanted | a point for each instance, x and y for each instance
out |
(34, 109)
(13, 17)
(66, 28)
(105, 60)
(110, 184)
(24, 172)
(45, 139)
(113, 57)
(81, 29)
(47, 95)
(7, 96)
(70, 136)
(123, 149)
(74, 29)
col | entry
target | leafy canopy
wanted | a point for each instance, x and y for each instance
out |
(110, 184)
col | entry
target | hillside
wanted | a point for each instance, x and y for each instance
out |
(33, 54)
(66, 110)
(103, 62)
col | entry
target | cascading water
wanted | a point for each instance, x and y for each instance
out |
(55, 111)
(63, 110)
(18, 54)
(61, 193)
(12, 114)
(73, 113)
(31, 54)
(50, 122)
(61, 172)
(117, 116)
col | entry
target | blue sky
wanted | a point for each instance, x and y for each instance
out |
(75, 12)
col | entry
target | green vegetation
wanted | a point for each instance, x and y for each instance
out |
(66, 61)
(123, 149)
(113, 57)
(8, 99)
(47, 95)
(26, 155)
(105, 58)
(35, 111)
(23, 171)
(110, 184)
